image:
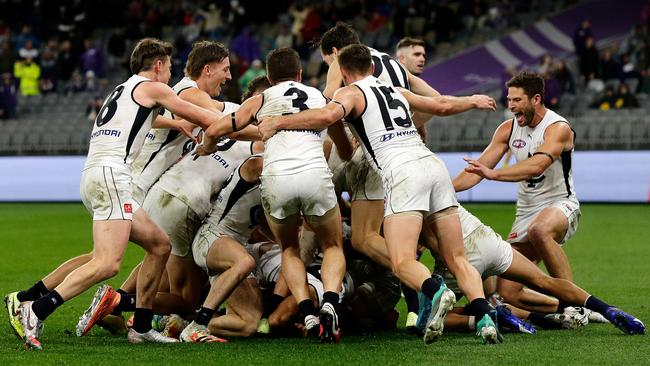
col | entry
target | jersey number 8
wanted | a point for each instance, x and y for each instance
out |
(109, 108)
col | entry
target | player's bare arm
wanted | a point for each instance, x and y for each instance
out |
(343, 103)
(420, 87)
(230, 123)
(337, 133)
(557, 138)
(492, 154)
(334, 79)
(446, 105)
(154, 93)
(181, 125)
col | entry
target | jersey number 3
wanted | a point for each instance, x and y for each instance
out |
(110, 107)
(299, 101)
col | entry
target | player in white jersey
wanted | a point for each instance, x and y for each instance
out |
(218, 249)
(547, 208)
(295, 181)
(416, 182)
(116, 139)
(493, 256)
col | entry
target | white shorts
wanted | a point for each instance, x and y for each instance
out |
(310, 192)
(420, 185)
(106, 193)
(138, 194)
(364, 182)
(178, 220)
(486, 251)
(205, 237)
(569, 207)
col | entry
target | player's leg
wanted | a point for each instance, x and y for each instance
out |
(281, 319)
(524, 271)
(227, 257)
(156, 243)
(446, 227)
(367, 217)
(185, 280)
(545, 233)
(243, 312)
(514, 292)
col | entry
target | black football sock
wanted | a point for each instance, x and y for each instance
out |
(203, 316)
(34, 293)
(306, 307)
(411, 298)
(541, 320)
(561, 306)
(46, 305)
(431, 285)
(597, 305)
(331, 297)
(479, 307)
(127, 302)
(142, 320)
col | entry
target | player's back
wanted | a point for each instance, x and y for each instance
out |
(389, 70)
(238, 207)
(385, 129)
(195, 182)
(292, 151)
(120, 128)
(557, 180)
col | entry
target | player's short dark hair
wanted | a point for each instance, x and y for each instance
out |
(146, 52)
(409, 42)
(259, 84)
(532, 83)
(355, 58)
(203, 53)
(339, 36)
(282, 64)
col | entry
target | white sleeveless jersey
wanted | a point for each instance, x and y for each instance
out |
(162, 147)
(385, 129)
(197, 182)
(557, 180)
(292, 151)
(120, 128)
(389, 70)
(238, 208)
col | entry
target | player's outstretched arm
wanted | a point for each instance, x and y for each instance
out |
(181, 125)
(228, 124)
(334, 79)
(557, 138)
(446, 105)
(489, 158)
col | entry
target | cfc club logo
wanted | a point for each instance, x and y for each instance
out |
(128, 208)
(518, 143)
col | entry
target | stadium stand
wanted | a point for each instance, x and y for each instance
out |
(90, 49)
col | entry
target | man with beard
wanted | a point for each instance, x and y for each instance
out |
(547, 208)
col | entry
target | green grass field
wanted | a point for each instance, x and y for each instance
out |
(610, 257)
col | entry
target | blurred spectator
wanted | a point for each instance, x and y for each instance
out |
(625, 99)
(565, 77)
(29, 73)
(92, 59)
(7, 58)
(507, 75)
(545, 64)
(117, 48)
(28, 51)
(299, 13)
(213, 23)
(284, 37)
(552, 90)
(91, 81)
(256, 69)
(633, 42)
(311, 28)
(606, 101)
(629, 69)
(473, 14)
(245, 47)
(588, 60)
(75, 84)
(609, 68)
(8, 96)
(66, 62)
(26, 35)
(580, 36)
(48, 72)
(94, 106)
(643, 55)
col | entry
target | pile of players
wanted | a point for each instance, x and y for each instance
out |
(243, 203)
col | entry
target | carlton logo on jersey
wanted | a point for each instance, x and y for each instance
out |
(518, 143)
